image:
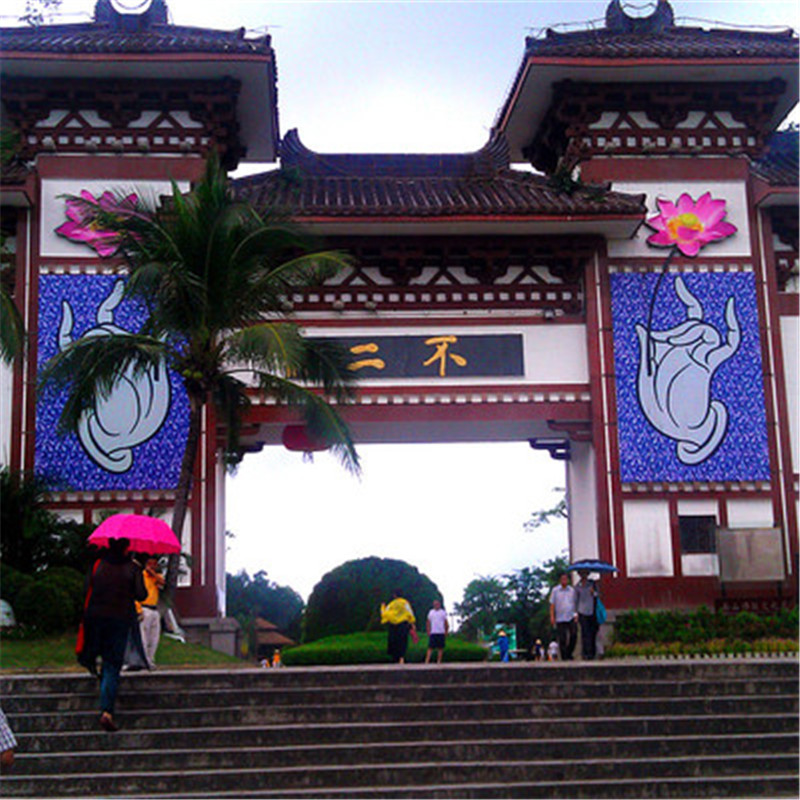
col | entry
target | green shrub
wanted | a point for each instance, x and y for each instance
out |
(786, 623)
(370, 648)
(44, 606)
(712, 647)
(72, 583)
(702, 626)
(12, 582)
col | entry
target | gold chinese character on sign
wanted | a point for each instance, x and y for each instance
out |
(442, 343)
(359, 349)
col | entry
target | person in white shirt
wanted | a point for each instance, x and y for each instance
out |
(564, 615)
(436, 627)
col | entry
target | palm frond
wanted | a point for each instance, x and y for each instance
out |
(89, 367)
(323, 421)
(280, 348)
(12, 329)
(231, 402)
(310, 270)
(326, 364)
(265, 347)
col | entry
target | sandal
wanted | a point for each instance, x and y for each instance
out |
(107, 723)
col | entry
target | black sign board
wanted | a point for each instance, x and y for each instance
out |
(436, 356)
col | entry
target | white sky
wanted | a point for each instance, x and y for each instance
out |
(454, 511)
(401, 77)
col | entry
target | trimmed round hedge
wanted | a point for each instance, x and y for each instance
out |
(348, 599)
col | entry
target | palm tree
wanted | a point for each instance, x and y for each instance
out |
(215, 277)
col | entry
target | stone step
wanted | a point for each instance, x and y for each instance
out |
(122, 761)
(647, 729)
(736, 786)
(393, 712)
(136, 696)
(396, 774)
(656, 727)
(559, 673)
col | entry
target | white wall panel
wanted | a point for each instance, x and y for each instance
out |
(648, 541)
(699, 564)
(6, 401)
(790, 340)
(750, 513)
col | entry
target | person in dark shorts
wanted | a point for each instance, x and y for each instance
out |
(437, 628)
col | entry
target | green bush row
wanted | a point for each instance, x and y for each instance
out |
(703, 625)
(370, 648)
(713, 647)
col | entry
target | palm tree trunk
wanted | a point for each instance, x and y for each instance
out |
(183, 490)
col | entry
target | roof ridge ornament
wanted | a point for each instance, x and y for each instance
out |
(491, 159)
(130, 15)
(620, 21)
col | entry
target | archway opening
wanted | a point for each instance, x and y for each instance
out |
(454, 510)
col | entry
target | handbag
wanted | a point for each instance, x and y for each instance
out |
(80, 642)
(600, 611)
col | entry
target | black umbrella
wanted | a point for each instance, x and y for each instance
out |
(592, 565)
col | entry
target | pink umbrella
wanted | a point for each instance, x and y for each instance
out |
(146, 534)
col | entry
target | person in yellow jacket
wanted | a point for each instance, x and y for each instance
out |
(149, 618)
(399, 616)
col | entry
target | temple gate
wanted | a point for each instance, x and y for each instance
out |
(486, 302)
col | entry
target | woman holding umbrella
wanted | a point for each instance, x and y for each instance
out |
(588, 596)
(586, 593)
(115, 583)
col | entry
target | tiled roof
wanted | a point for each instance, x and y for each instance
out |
(779, 165)
(670, 43)
(94, 38)
(395, 185)
(112, 32)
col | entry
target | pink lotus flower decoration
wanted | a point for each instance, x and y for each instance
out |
(84, 215)
(689, 226)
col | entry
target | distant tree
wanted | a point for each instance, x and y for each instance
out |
(248, 598)
(485, 603)
(520, 598)
(529, 609)
(37, 12)
(348, 598)
(543, 517)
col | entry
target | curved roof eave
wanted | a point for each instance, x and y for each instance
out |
(254, 69)
(531, 92)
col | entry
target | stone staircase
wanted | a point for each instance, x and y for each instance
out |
(721, 728)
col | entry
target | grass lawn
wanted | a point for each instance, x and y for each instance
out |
(370, 648)
(58, 653)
